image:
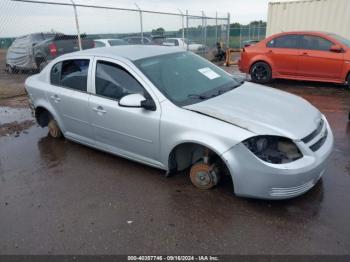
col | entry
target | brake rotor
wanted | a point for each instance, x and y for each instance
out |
(203, 176)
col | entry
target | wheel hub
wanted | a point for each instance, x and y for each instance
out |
(204, 176)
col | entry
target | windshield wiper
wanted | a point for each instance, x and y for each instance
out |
(201, 97)
(219, 92)
(224, 90)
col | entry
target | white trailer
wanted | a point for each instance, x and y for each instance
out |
(319, 15)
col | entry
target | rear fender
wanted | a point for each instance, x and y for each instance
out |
(262, 58)
(45, 104)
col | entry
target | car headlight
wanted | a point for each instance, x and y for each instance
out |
(273, 149)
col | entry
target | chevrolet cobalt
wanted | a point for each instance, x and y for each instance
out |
(173, 110)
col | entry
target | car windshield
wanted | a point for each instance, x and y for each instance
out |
(185, 78)
(341, 39)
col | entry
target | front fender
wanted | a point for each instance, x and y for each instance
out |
(179, 126)
(214, 145)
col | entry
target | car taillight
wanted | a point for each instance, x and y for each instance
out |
(53, 50)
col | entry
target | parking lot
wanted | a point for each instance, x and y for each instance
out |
(59, 197)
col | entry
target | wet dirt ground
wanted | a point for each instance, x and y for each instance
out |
(59, 197)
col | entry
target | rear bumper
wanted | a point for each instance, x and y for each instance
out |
(255, 178)
(242, 67)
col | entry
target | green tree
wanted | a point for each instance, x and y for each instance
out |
(159, 31)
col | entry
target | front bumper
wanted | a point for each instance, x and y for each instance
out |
(255, 178)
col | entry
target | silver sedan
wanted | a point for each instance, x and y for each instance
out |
(171, 109)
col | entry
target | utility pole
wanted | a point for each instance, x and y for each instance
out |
(141, 22)
(77, 24)
(183, 24)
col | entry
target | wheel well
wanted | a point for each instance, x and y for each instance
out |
(259, 61)
(43, 116)
(185, 155)
(348, 78)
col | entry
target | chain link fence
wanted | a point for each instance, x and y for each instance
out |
(97, 22)
(240, 35)
(33, 32)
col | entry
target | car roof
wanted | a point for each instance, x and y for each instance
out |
(303, 32)
(130, 52)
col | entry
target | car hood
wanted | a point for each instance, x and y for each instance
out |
(263, 111)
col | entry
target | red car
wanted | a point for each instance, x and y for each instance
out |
(311, 56)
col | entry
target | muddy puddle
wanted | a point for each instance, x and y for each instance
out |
(14, 121)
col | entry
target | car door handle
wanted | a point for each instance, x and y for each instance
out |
(99, 109)
(305, 54)
(55, 98)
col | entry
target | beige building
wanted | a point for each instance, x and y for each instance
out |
(321, 15)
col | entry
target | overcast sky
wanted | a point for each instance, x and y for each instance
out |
(21, 18)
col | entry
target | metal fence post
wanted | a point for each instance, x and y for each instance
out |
(216, 27)
(77, 24)
(187, 36)
(141, 23)
(249, 29)
(240, 37)
(228, 30)
(204, 25)
(182, 24)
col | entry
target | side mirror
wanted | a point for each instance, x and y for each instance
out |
(336, 49)
(137, 101)
(148, 104)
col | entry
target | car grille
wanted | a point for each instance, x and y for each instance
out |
(320, 142)
(317, 134)
(308, 138)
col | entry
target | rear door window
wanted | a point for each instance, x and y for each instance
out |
(55, 74)
(114, 82)
(285, 41)
(311, 42)
(71, 74)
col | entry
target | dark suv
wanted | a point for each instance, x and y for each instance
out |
(34, 51)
